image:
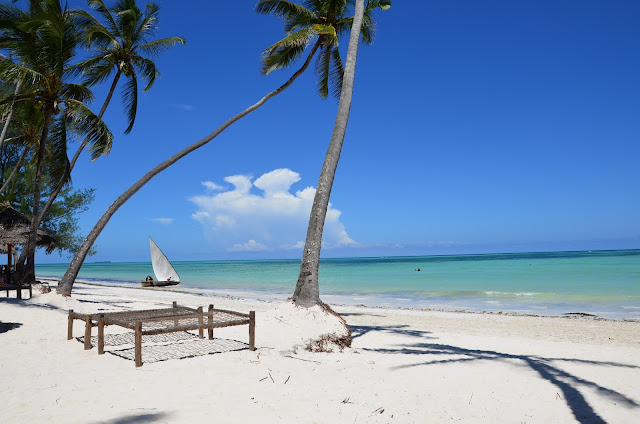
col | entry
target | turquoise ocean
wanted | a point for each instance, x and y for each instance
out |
(602, 283)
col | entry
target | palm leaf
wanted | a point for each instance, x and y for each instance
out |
(337, 72)
(281, 58)
(153, 48)
(130, 100)
(86, 123)
(283, 9)
(77, 92)
(148, 69)
(58, 161)
(323, 67)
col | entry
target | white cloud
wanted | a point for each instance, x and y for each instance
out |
(165, 221)
(211, 186)
(273, 218)
(250, 246)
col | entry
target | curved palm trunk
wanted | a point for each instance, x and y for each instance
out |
(15, 169)
(61, 184)
(28, 271)
(66, 284)
(9, 116)
(307, 292)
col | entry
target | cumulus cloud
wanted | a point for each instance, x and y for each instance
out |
(211, 186)
(263, 214)
(165, 221)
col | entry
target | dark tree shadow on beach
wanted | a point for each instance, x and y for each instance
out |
(566, 382)
(401, 330)
(139, 418)
(8, 326)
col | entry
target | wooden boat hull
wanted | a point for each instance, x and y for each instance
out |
(159, 283)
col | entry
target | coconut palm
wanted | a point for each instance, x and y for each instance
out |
(307, 291)
(122, 41)
(121, 44)
(319, 22)
(43, 39)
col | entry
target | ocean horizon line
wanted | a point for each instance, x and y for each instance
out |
(367, 257)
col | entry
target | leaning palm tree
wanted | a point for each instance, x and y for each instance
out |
(122, 44)
(320, 25)
(307, 291)
(43, 39)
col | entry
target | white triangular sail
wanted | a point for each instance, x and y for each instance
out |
(162, 268)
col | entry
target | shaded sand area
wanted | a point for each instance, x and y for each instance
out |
(405, 366)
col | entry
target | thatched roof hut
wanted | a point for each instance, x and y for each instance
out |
(15, 227)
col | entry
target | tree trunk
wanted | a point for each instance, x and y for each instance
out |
(307, 292)
(61, 184)
(9, 116)
(66, 284)
(28, 271)
(15, 169)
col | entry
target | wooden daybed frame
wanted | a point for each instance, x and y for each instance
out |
(161, 321)
(17, 288)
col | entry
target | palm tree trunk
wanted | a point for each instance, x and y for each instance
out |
(61, 184)
(15, 169)
(9, 116)
(66, 284)
(307, 291)
(28, 271)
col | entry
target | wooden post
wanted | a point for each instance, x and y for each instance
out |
(200, 321)
(87, 332)
(9, 246)
(100, 334)
(70, 325)
(175, 321)
(138, 328)
(252, 330)
(210, 315)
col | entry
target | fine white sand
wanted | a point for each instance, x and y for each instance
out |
(405, 366)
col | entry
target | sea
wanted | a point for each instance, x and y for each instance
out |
(605, 284)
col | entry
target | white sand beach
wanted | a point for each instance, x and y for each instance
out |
(405, 366)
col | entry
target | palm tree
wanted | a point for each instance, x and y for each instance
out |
(307, 291)
(320, 23)
(121, 45)
(44, 39)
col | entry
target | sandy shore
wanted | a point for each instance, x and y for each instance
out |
(405, 366)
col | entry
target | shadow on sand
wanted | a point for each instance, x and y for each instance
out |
(140, 418)
(566, 382)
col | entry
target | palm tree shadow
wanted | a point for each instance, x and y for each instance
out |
(402, 330)
(566, 382)
(140, 418)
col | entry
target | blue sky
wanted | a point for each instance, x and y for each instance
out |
(492, 126)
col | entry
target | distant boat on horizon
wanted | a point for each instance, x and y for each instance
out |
(165, 273)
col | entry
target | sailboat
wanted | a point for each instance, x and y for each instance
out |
(165, 274)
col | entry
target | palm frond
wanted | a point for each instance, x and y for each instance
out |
(87, 123)
(130, 100)
(77, 92)
(153, 48)
(323, 66)
(300, 38)
(337, 72)
(58, 161)
(10, 71)
(148, 69)
(104, 11)
(283, 9)
(281, 58)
